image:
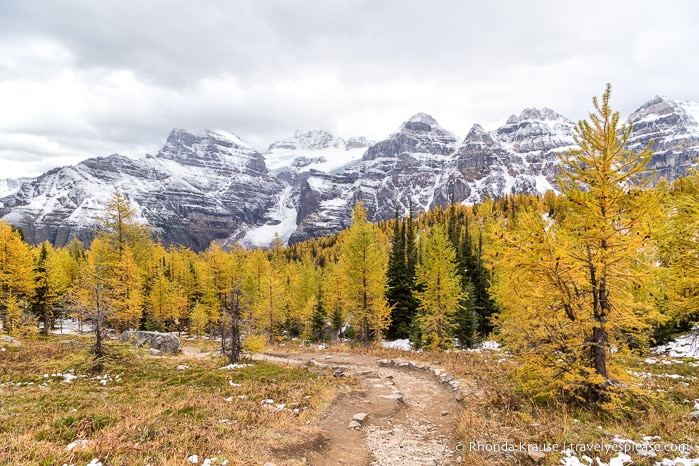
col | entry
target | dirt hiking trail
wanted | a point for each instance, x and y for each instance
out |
(401, 415)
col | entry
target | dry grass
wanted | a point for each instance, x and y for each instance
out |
(148, 412)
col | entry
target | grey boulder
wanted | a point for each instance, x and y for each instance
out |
(163, 342)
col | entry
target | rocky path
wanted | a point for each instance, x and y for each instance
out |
(400, 415)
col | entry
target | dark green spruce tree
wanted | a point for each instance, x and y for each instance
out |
(485, 304)
(411, 260)
(319, 317)
(397, 286)
(474, 320)
(402, 261)
(467, 321)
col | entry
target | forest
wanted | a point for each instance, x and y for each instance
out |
(568, 282)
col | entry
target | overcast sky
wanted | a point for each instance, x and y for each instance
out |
(89, 78)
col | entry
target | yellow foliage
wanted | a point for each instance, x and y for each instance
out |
(575, 286)
(363, 263)
(441, 295)
(254, 343)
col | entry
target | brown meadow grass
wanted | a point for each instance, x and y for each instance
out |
(146, 411)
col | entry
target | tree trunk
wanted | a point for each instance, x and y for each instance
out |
(47, 323)
(599, 351)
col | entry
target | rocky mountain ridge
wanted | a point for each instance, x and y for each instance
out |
(211, 186)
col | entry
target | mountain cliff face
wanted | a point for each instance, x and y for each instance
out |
(198, 188)
(673, 126)
(403, 168)
(211, 186)
(519, 157)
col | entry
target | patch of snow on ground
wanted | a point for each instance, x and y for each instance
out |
(685, 346)
(646, 375)
(491, 345)
(488, 345)
(403, 344)
(77, 444)
(235, 366)
(678, 461)
(71, 327)
(570, 459)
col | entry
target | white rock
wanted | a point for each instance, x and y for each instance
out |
(354, 425)
(360, 418)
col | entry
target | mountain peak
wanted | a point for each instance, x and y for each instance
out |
(656, 105)
(477, 137)
(420, 134)
(423, 125)
(535, 114)
(216, 149)
(423, 118)
(312, 139)
(182, 136)
(661, 108)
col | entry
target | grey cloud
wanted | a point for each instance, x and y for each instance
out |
(262, 68)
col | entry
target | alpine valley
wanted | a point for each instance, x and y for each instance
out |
(211, 186)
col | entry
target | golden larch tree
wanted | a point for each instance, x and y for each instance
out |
(363, 264)
(16, 271)
(440, 295)
(575, 286)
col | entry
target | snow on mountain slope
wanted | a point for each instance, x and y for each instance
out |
(314, 150)
(673, 126)
(691, 109)
(521, 156)
(281, 223)
(9, 186)
(217, 150)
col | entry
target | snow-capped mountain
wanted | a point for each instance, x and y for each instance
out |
(421, 163)
(315, 150)
(673, 126)
(198, 188)
(212, 186)
(519, 157)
